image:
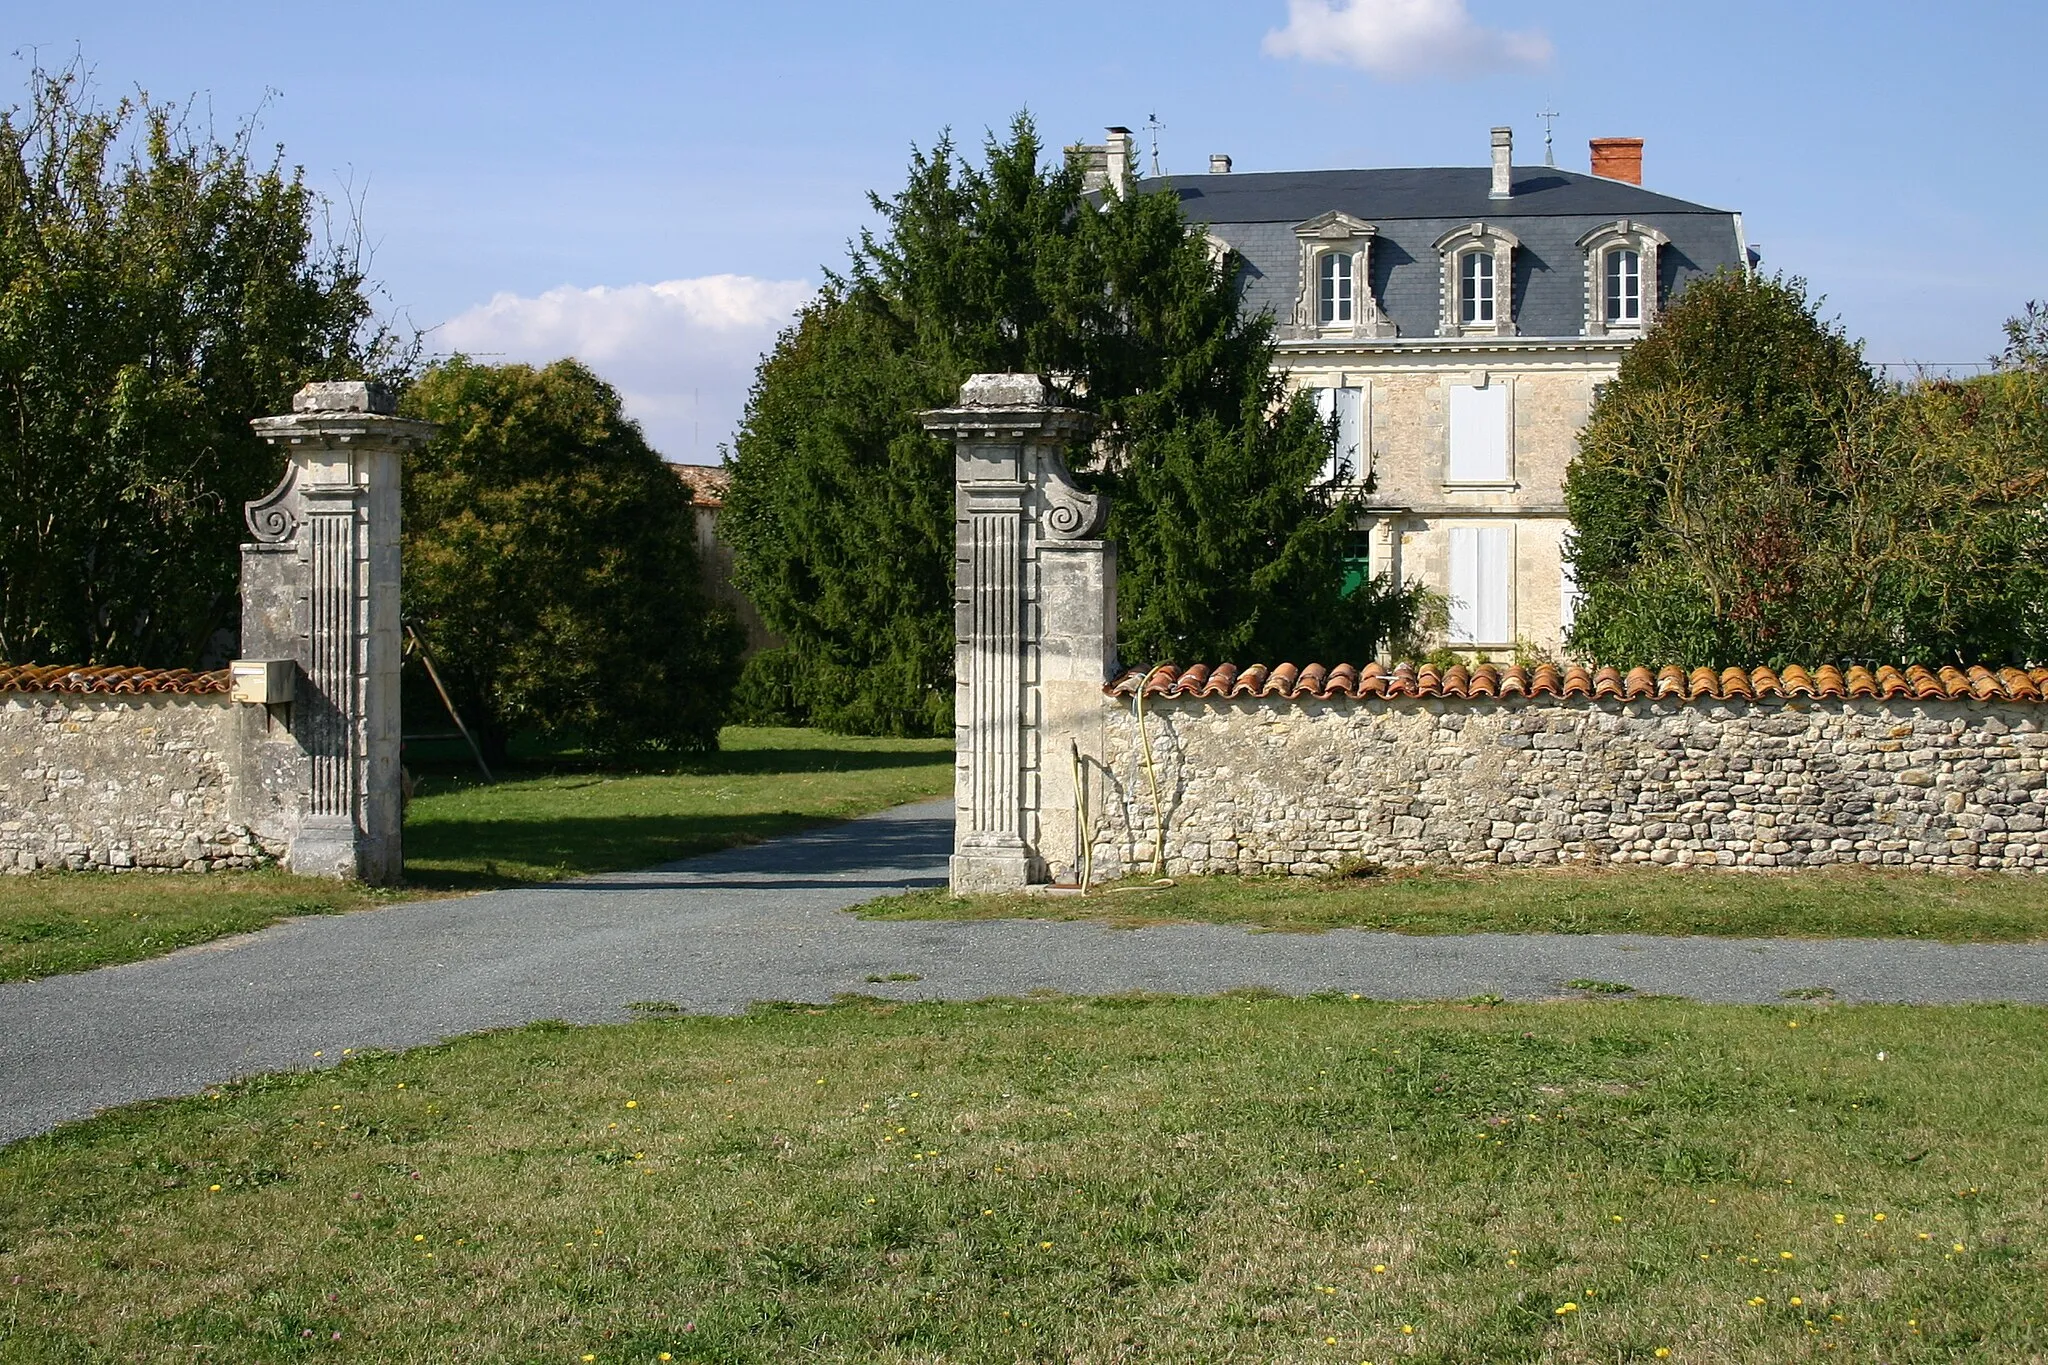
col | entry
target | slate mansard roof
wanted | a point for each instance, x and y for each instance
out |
(1549, 211)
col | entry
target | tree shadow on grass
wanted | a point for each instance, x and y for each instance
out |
(480, 855)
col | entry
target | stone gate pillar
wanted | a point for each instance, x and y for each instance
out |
(320, 589)
(1034, 630)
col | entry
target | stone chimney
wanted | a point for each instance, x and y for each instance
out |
(1118, 151)
(1219, 163)
(1618, 158)
(1503, 163)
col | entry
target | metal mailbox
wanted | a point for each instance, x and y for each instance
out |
(262, 682)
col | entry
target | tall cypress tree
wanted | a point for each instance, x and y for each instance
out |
(841, 506)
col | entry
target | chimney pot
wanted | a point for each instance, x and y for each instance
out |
(1503, 163)
(1618, 158)
(1219, 163)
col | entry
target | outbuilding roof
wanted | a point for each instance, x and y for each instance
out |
(1288, 682)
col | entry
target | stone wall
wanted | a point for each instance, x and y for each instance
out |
(1301, 786)
(115, 782)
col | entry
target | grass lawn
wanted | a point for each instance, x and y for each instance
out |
(554, 815)
(1829, 903)
(1238, 1178)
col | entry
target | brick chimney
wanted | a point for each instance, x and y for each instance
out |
(1503, 163)
(1618, 158)
(1219, 163)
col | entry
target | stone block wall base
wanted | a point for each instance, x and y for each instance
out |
(986, 871)
(326, 846)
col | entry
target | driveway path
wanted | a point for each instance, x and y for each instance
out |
(716, 933)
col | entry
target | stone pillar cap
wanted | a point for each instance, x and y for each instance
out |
(349, 395)
(1003, 391)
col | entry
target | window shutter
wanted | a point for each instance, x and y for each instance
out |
(1496, 585)
(1479, 434)
(1482, 585)
(1350, 404)
(1465, 584)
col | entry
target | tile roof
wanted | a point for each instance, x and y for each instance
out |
(105, 679)
(1550, 681)
(708, 483)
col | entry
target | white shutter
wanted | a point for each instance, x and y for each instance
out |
(1465, 584)
(1351, 431)
(1482, 585)
(1479, 433)
(1326, 403)
(1496, 585)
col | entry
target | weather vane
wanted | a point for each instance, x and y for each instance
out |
(1154, 127)
(1549, 156)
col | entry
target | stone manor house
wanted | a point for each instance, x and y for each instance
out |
(1459, 322)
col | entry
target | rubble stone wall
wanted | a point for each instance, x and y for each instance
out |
(116, 782)
(1262, 786)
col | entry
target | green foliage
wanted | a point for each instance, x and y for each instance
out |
(550, 565)
(841, 506)
(1746, 492)
(158, 289)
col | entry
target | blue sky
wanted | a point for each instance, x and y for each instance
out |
(655, 187)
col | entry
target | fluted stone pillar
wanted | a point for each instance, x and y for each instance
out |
(320, 587)
(1035, 629)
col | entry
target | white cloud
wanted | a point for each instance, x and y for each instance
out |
(681, 352)
(1402, 39)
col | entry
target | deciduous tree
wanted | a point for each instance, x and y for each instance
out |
(550, 565)
(158, 289)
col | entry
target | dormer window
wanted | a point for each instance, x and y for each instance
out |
(1621, 277)
(1475, 288)
(1624, 287)
(1478, 281)
(1336, 282)
(1333, 290)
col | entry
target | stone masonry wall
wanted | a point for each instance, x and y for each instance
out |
(1302, 786)
(113, 782)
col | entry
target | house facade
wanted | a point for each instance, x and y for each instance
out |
(1459, 322)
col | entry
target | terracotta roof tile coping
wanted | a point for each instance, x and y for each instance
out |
(1318, 683)
(104, 679)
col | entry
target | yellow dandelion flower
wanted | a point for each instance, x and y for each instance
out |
(1784, 1255)
(1959, 1246)
(419, 1236)
(632, 1104)
(1841, 1218)
(213, 1189)
(1045, 1246)
(1379, 1270)
(1795, 1301)
(1662, 1352)
(1756, 1303)
(1329, 1341)
(1565, 1308)
(1407, 1330)
(1877, 1218)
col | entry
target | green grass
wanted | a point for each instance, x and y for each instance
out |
(1239, 1178)
(55, 922)
(554, 815)
(559, 817)
(1830, 903)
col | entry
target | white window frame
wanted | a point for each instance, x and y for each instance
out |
(1452, 248)
(1482, 585)
(1475, 288)
(1456, 477)
(1623, 281)
(1336, 288)
(1623, 234)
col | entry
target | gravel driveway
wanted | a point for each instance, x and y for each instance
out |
(718, 932)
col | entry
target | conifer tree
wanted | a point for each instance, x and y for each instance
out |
(841, 507)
